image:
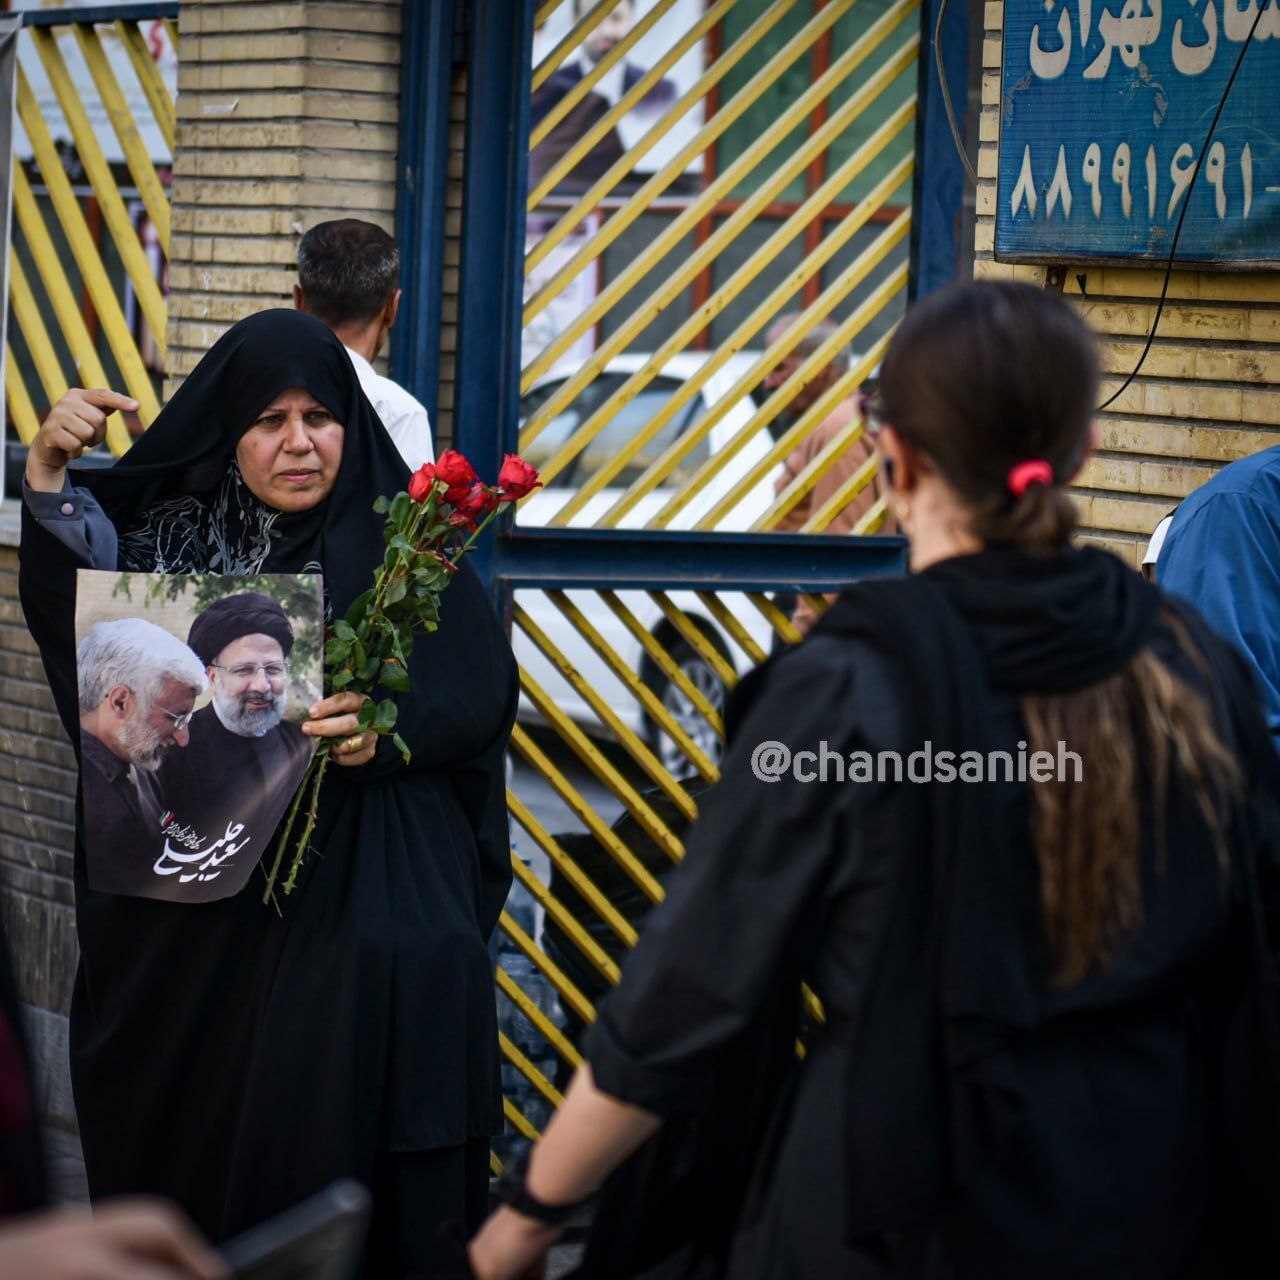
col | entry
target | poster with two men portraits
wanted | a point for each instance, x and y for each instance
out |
(192, 688)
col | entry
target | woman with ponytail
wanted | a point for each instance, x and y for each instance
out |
(1039, 942)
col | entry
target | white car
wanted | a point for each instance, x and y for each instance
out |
(540, 508)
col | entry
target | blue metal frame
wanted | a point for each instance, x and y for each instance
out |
(937, 203)
(661, 560)
(499, 37)
(137, 12)
(491, 271)
(491, 277)
(426, 69)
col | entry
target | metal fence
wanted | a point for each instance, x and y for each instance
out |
(91, 210)
(683, 175)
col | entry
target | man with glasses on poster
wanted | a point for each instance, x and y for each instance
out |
(138, 685)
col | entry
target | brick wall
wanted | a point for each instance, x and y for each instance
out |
(1208, 392)
(287, 115)
(37, 829)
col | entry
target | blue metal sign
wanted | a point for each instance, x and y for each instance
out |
(1105, 105)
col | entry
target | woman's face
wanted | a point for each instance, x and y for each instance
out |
(291, 453)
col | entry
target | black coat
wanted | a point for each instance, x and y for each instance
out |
(124, 845)
(1108, 1163)
(236, 1058)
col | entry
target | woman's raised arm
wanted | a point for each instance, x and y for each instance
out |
(76, 423)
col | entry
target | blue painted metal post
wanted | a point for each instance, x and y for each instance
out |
(938, 195)
(499, 36)
(491, 277)
(425, 69)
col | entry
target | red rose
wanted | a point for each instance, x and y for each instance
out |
(517, 477)
(421, 481)
(457, 473)
(472, 506)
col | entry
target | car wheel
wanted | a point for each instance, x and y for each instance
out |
(680, 707)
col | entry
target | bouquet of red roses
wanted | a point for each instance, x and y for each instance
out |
(429, 529)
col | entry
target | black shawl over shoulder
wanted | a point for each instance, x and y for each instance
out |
(229, 1057)
(960, 1114)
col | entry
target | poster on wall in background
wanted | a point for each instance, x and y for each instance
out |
(159, 46)
(191, 687)
(570, 301)
(10, 26)
(1105, 108)
(149, 238)
(565, 113)
(573, 144)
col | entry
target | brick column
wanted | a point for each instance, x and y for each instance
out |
(287, 115)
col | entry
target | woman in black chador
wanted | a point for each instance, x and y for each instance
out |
(236, 1058)
(1044, 1053)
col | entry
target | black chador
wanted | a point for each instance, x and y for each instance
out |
(235, 1058)
(957, 1112)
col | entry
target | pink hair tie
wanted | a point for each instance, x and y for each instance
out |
(1022, 476)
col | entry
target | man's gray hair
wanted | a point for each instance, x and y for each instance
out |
(820, 333)
(347, 269)
(135, 653)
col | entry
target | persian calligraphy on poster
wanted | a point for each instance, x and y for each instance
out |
(1105, 105)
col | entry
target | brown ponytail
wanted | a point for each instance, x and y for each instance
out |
(982, 379)
(1086, 834)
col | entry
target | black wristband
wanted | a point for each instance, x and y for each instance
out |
(513, 1192)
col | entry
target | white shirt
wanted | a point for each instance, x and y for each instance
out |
(404, 417)
(1157, 541)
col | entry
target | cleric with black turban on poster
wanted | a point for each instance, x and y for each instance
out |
(244, 760)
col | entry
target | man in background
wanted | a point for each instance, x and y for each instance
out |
(854, 457)
(348, 274)
(1222, 553)
(138, 685)
(618, 81)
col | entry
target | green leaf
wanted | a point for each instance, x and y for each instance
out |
(395, 591)
(358, 655)
(394, 677)
(343, 630)
(368, 713)
(336, 652)
(401, 509)
(341, 680)
(355, 614)
(382, 505)
(403, 746)
(385, 720)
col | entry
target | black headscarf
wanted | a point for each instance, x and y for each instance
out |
(247, 613)
(179, 503)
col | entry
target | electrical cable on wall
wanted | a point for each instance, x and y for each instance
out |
(946, 95)
(1182, 217)
(1186, 201)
